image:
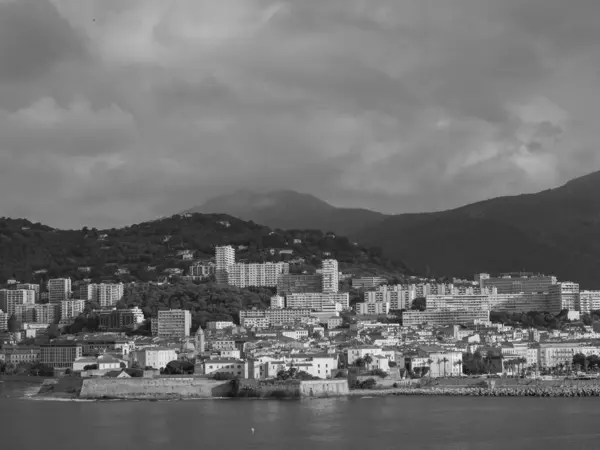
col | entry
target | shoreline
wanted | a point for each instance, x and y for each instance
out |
(65, 390)
(560, 392)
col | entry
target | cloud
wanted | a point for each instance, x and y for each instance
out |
(34, 38)
(113, 112)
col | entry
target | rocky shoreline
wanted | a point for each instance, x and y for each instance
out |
(562, 391)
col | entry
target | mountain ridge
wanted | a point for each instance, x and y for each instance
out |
(554, 231)
(287, 209)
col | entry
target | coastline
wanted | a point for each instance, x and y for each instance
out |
(66, 389)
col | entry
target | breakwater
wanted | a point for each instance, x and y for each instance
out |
(549, 391)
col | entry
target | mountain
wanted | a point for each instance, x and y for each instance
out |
(556, 231)
(290, 210)
(30, 247)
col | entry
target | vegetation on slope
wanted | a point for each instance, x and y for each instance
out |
(145, 250)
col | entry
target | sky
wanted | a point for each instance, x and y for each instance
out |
(115, 112)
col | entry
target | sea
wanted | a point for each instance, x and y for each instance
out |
(427, 423)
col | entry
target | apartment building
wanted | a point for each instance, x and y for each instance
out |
(524, 350)
(25, 313)
(372, 308)
(60, 354)
(202, 270)
(105, 294)
(174, 323)
(47, 313)
(224, 259)
(299, 283)
(588, 301)
(255, 322)
(219, 325)
(120, 319)
(59, 289)
(566, 295)
(367, 282)
(396, 299)
(286, 315)
(330, 274)
(31, 287)
(9, 298)
(514, 283)
(154, 358)
(513, 303)
(277, 301)
(444, 317)
(3, 321)
(556, 353)
(318, 301)
(257, 274)
(71, 308)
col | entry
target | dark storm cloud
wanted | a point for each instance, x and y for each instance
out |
(33, 39)
(121, 111)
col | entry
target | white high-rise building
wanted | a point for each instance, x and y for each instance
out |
(318, 301)
(59, 289)
(174, 323)
(330, 272)
(47, 313)
(71, 308)
(25, 313)
(256, 274)
(224, 258)
(3, 321)
(105, 294)
(564, 295)
(589, 301)
(10, 298)
(31, 287)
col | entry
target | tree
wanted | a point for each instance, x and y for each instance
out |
(458, 363)
(368, 360)
(419, 304)
(429, 363)
(13, 324)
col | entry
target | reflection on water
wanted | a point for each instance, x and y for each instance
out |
(449, 423)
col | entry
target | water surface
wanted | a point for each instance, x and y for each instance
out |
(427, 423)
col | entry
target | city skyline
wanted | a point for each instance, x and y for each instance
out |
(117, 113)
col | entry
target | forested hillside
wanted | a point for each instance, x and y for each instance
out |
(143, 251)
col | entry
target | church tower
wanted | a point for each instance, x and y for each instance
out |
(200, 342)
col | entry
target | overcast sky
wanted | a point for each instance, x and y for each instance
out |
(114, 112)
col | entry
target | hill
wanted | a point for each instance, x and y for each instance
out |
(556, 231)
(290, 210)
(142, 252)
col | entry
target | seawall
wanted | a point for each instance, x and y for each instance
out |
(193, 387)
(325, 388)
(155, 388)
(291, 389)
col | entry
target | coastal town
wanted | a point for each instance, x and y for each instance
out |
(517, 325)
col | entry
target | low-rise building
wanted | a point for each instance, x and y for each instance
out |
(60, 354)
(444, 317)
(20, 354)
(219, 325)
(155, 358)
(231, 367)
